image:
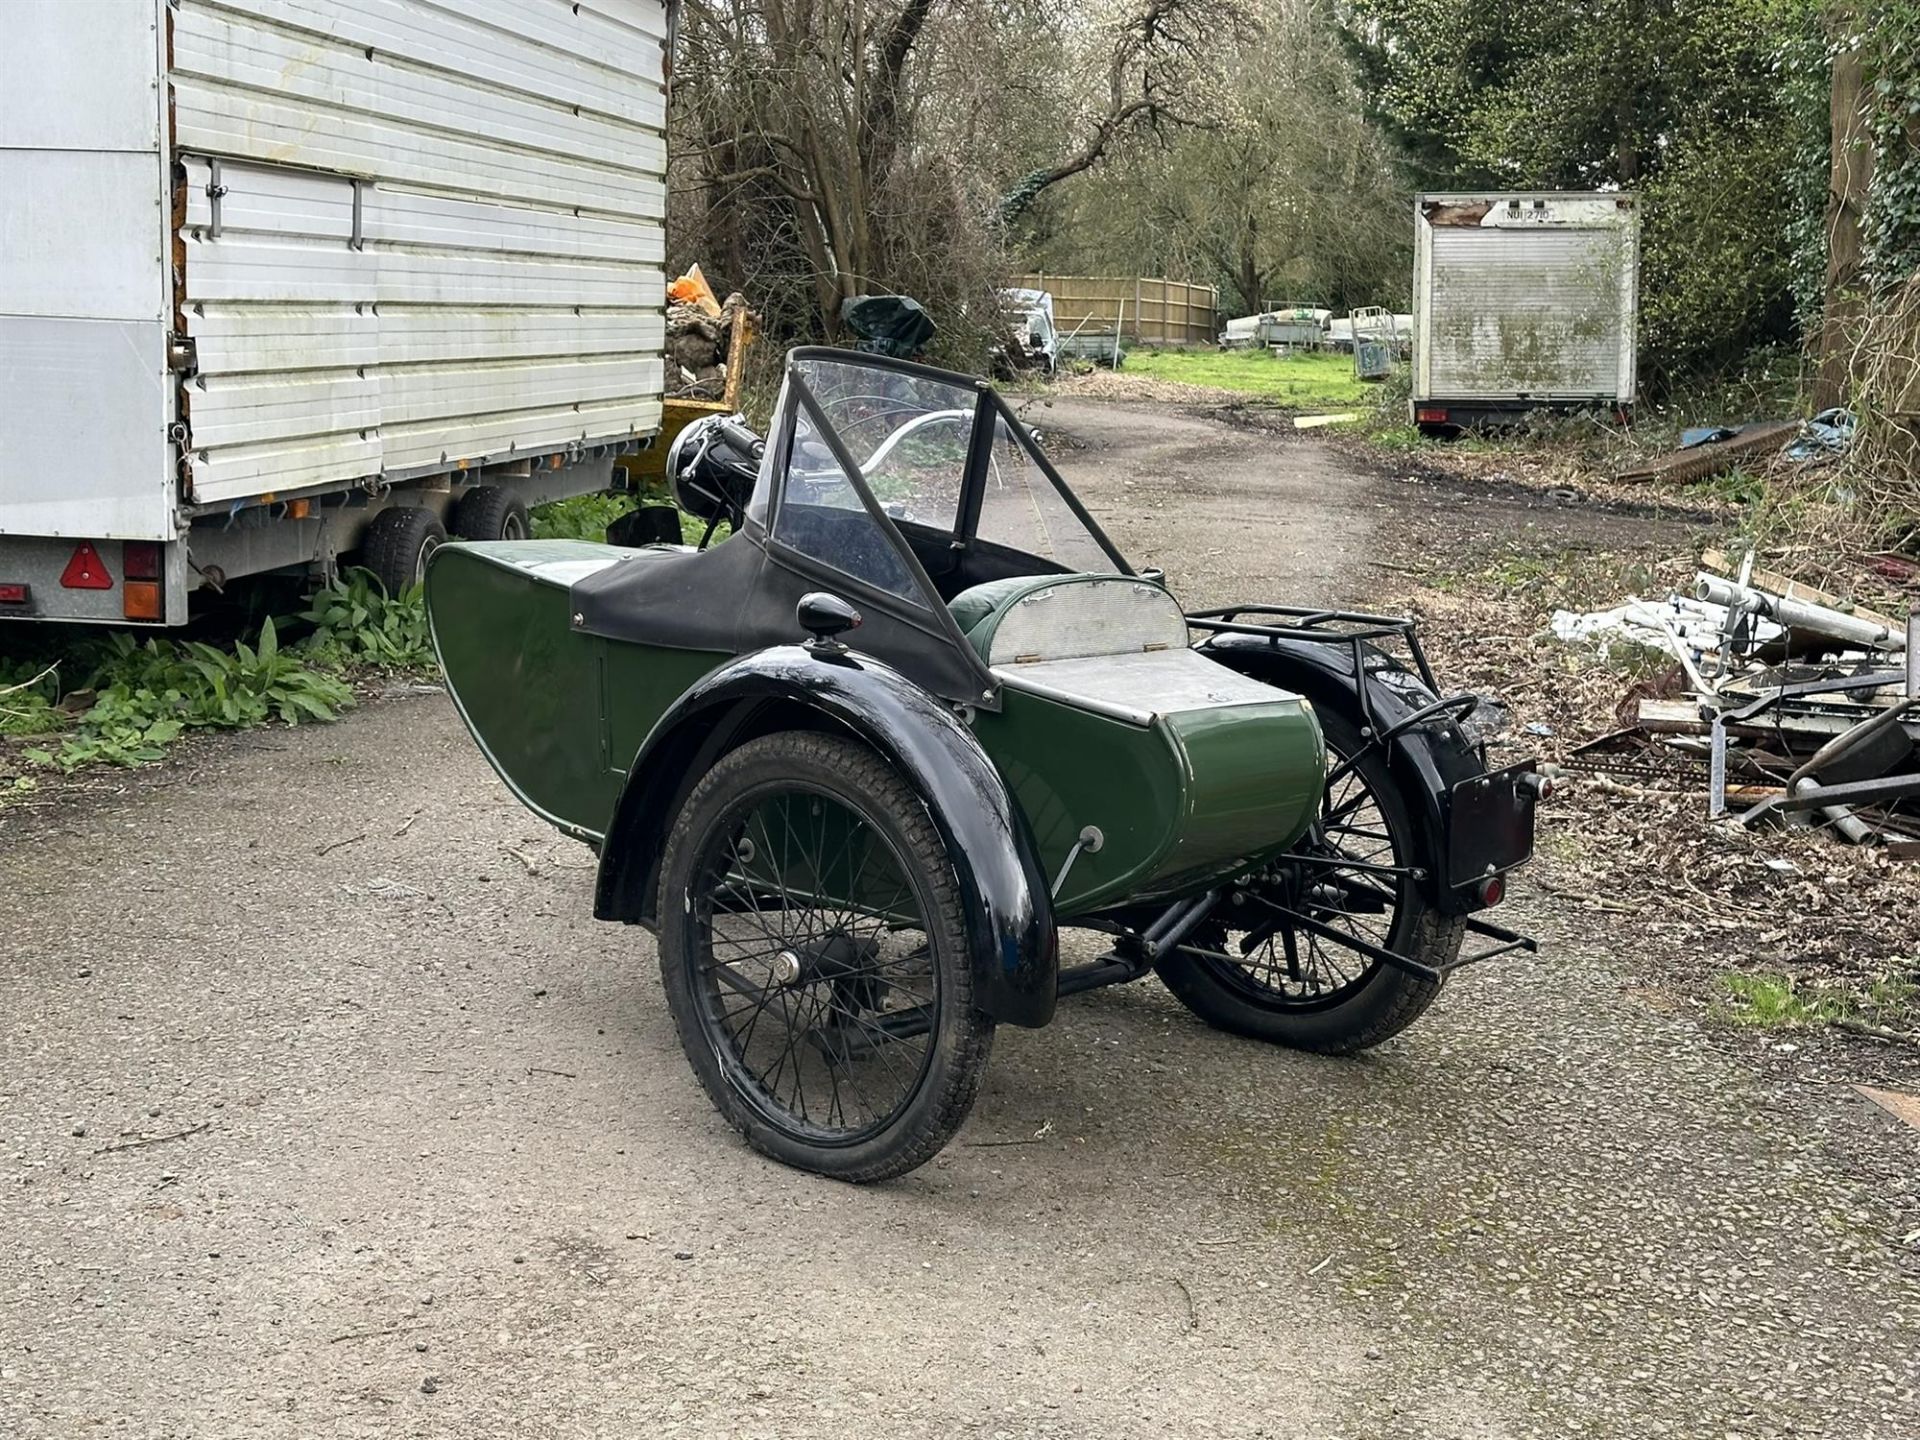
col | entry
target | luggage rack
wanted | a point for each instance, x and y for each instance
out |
(1355, 629)
(1323, 627)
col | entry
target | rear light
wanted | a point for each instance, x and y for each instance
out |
(140, 600)
(1491, 891)
(15, 594)
(1430, 417)
(140, 559)
(86, 570)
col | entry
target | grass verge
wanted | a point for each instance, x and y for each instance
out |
(1306, 380)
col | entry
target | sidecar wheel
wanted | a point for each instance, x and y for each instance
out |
(1329, 999)
(813, 950)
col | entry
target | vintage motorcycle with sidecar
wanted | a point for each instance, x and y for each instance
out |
(859, 762)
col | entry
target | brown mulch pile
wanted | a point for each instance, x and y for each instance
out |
(1685, 899)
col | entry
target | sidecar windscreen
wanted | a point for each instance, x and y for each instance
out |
(909, 435)
(1021, 509)
(905, 437)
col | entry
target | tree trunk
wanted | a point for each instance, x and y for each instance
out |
(1852, 175)
(1247, 282)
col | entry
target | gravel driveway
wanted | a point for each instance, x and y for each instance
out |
(328, 1111)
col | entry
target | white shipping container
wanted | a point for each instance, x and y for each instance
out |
(1523, 301)
(260, 251)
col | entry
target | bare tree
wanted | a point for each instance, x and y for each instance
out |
(868, 144)
(1284, 192)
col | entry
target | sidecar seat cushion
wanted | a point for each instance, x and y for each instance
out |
(973, 605)
(1030, 618)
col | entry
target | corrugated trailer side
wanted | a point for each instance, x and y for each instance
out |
(413, 205)
(416, 249)
(86, 396)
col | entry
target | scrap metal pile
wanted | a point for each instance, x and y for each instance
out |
(1789, 705)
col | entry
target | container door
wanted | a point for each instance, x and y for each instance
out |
(83, 295)
(1526, 312)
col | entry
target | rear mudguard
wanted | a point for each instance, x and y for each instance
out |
(1426, 760)
(1003, 891)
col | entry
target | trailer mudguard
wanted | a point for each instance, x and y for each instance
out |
(1003, 891)
(1427, 760)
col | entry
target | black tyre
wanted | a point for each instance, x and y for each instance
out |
(1298, 989)
(397, 544)
(488, 512)
(813, 951)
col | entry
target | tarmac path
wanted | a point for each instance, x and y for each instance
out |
(328, 1111)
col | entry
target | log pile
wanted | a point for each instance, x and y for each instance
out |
(702, 336)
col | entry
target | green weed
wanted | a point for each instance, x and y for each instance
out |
(1734, 487)
(586, 517)
(29, 696)
(146, 693)
(1777, 1002)
(1771, 1001)
(1397, 438)
(355, 622)
(116, 699)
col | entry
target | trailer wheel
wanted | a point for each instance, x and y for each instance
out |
(397, 544)
(488, 512)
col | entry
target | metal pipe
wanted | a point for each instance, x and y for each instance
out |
(1172, 926)
(1848, 824)
(1178, 921)
(1798, 614)
(1095, 976)
(1090, 842)
(1845, 743)
(1809, 796)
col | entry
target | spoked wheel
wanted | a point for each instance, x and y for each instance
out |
(814, 957)
(1259, 977)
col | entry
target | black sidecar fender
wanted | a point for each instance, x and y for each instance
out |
(1003, 890)
(1427, 759)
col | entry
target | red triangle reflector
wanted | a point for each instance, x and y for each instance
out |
(86, 570)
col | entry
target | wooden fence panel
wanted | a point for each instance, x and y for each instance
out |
(1151, 310)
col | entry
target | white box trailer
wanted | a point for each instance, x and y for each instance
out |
(1523, 301)
(287, 279)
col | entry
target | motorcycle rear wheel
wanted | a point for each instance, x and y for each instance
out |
(1307, 992)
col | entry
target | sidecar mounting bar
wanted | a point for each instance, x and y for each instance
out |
(1134, 955)
(1129, 960)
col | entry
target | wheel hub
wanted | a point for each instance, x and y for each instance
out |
(847, 961)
